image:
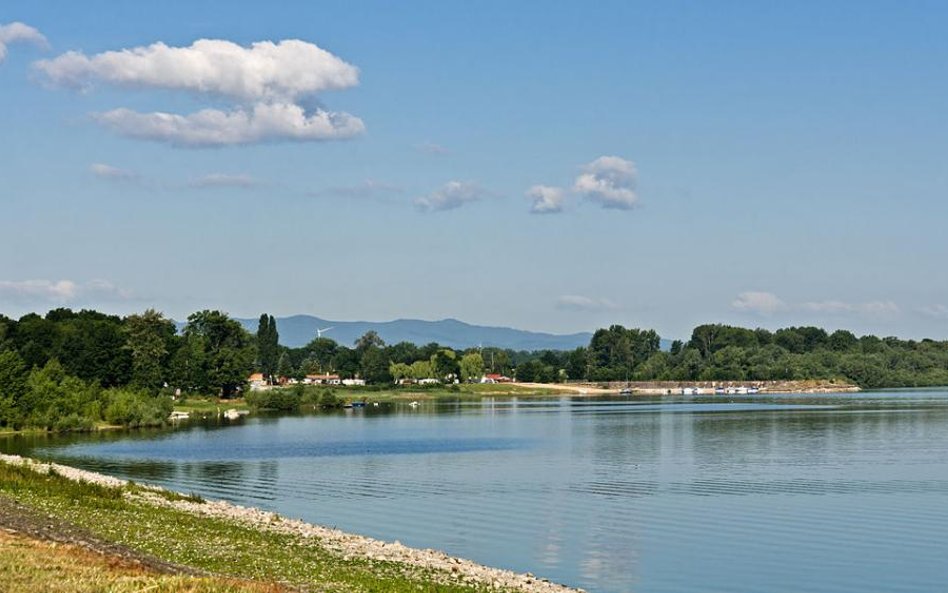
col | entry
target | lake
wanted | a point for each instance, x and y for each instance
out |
(803, 493)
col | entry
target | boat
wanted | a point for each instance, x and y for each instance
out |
(626, 391)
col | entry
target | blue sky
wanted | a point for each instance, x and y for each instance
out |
(749, 163)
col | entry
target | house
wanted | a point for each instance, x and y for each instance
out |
(353, 382)
(495, 378)
(257, 381)
(325, 379)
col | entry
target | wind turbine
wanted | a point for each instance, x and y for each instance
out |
(319, 332)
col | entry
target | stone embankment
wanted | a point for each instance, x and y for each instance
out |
(436, 564)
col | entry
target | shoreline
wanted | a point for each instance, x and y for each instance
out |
(701, 387)
(436, 565)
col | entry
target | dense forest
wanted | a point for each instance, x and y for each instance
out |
(73, 370)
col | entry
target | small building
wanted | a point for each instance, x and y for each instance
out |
(325, 379)
(257, 381)
(495, 378)
(353, 382)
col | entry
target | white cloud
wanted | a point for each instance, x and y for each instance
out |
(453, 194)
(104, 171)
(432, 148)
(212, 127)
(367, 189)
(59, 291)
(576, 302)
(610, 181)
(224, 180)
(764, 303)
(546, 199)
(19, 32)
(767, 303)
(265, 71)
(269, 82)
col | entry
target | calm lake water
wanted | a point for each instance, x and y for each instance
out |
(818, 493)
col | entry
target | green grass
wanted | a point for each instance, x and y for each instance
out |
(219, 546)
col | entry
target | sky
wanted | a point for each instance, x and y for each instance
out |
(553, 166)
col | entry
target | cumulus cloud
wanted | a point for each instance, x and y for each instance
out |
(767, 303)
(19, 33)
(214, 180)
(104, 171)
(59, 291)
(367, 189)
(269, 82)
(213, 127)
(265, 71)
(546, 199)
(609, 181)
(453, 194)
(764, 303)
(576, 302)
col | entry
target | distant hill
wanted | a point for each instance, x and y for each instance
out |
(298, 330)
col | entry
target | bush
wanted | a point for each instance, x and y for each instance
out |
(133, 409)
(329, 401)
(284, 400)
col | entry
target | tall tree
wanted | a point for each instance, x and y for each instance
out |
(369, 339)
(12, 387)
(226, 349)
(148, 336)
(268, 346)
(472, 366)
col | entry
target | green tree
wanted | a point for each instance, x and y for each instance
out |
(471, 367)
(422, 369)
(268, 346)
(285, 366)
(369, 339)
(444, 364)
(321, 351)
(399, 371)
(576, 364)
(375, 366)
(12, 387)
(227, 350)
(148, 336)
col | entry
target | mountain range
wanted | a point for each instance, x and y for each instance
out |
(298, 330)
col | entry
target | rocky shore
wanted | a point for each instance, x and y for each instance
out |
(434, 564)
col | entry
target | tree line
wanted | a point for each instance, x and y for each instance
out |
(71, 369)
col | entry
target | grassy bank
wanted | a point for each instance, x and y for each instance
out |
(29, 565)
(219, 540)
